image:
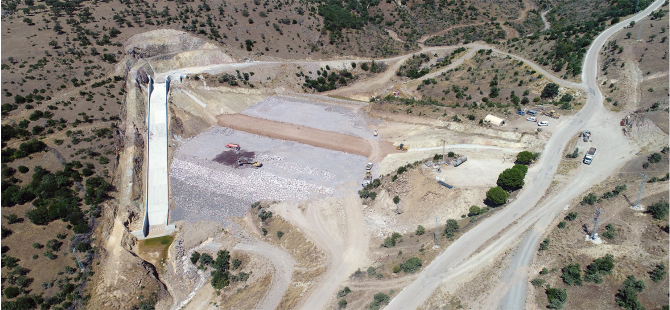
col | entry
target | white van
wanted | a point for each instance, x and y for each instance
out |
(543, 123)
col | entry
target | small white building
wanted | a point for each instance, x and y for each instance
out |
(495, 120)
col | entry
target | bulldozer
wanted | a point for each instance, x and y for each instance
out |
(401, 147)
(553, 114)
(248, 161)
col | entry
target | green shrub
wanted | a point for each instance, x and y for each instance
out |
(396, 199)
(550, 91)
(451, 229)
(658, 273)
(475, 210)
(342, 304)
(571, 216)
(627, 295)
(280, 234)
(655, 158)
(525, 157)
(396, 269)
(600, 266)
(497, 195)
(195, 257)
(379, 300)
(236, 263)
(511, 179)
(591, 199)
(572, 275)
(610, 231)
(11, 292)
(545, 244)
(23, 169)
(561, 224)
(420, 230)
(411, 265)
(343, 292)
(544, 271)
(659, 210)
(556, 296)
(537, 282)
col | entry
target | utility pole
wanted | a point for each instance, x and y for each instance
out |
(436, 245)
(594, 236)
(639, 193)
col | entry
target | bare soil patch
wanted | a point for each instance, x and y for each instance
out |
(301, 134)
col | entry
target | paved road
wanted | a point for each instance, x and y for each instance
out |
(517, 281)
(452, 262)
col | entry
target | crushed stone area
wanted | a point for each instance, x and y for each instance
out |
(204, 189)
(311, 114)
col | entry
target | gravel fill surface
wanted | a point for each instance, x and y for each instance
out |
(311, 114)
(204, 189)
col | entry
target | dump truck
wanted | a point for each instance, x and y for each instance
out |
(248, 161)
(233, 146)
(368, 178)
(588, 158)
(401, 147)
(460, 161)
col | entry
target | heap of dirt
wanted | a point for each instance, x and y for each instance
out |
(163, 41)
(305, 135)
(171, 49)
(231, 157)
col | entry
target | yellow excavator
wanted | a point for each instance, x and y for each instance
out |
(401, 147)
(248, 161)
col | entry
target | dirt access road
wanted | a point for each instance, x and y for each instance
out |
(452, 263)
(611, 146)
(374, 150)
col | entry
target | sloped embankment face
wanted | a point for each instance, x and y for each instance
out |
(170, 49)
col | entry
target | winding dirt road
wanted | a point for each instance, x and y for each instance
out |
(454, 263)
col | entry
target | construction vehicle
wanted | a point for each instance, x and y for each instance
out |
(248, 161)
(233, 146)
(368, 167)
(368, 178)
(401, 147)
(586, 134)
(588, 158)
(460, 161)
(553, 114)
(375, 132)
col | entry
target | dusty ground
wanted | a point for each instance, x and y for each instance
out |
(305, 135)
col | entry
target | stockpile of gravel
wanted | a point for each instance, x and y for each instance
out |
(206, 190)
(310, 114)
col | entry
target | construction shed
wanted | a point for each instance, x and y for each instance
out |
(495, 120)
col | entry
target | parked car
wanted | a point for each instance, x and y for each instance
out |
(531, 112)
(543, 123)
(520, 113)
(532, 119)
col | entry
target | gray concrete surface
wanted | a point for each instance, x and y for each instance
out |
(205, 189)
(308, 113)
(157, 171)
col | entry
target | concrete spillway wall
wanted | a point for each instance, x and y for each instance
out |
(157, 188)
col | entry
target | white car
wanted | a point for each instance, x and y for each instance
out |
(531, 119)
(543, 123)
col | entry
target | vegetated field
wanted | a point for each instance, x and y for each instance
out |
(637, 242)
(574, 24)
(634, 73)
(488, 83)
